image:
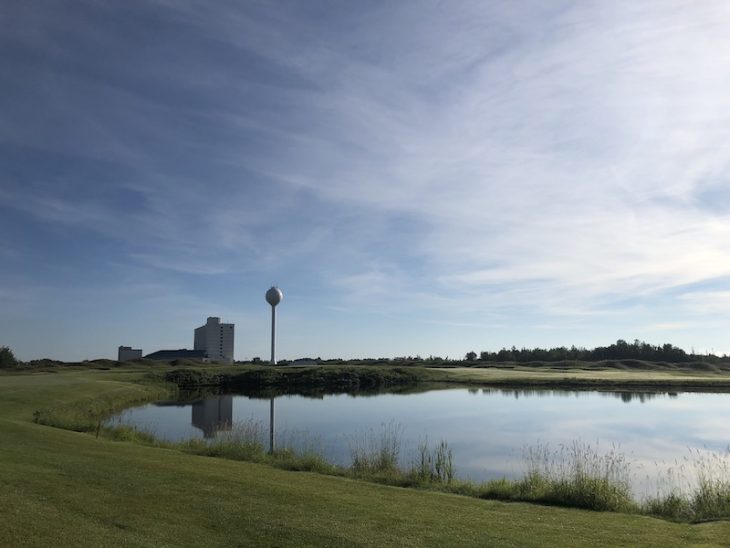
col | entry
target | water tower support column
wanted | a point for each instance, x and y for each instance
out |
(273, 335)
(273, 297)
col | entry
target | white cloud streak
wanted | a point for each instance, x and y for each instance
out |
(572, 159)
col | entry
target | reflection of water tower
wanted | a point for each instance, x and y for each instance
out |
(213, 415)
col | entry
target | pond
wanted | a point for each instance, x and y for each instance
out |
(489, 431)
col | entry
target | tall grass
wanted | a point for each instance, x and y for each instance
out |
(435, 466)
(577, 475)
(247, 441)
(698, 490)
(377, 453)
(244, 441)
(712, 498)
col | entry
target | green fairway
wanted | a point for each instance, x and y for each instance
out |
(589, 376)
(62, 488)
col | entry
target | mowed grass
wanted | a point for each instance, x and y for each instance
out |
(589, 377)
(63, 488)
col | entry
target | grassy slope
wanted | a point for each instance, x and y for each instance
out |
(64, 488)
(591, 377)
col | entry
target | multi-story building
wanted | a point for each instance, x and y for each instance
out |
(216, 339)
(127, 353)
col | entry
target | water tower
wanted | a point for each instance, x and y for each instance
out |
(273, 297)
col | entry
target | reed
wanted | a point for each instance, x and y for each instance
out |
(434, 467)
(377, 453)
(578, 475)
(698, 490)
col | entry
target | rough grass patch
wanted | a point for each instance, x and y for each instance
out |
(578, 475)
(376, 452)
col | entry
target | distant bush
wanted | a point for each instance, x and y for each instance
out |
(7, 359)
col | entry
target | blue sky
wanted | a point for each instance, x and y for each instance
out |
(418, 177)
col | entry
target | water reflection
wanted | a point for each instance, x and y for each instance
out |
(271, 426)
(487, 429)
(626, 397)
(213, 415)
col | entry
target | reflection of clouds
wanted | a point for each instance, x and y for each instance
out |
(714, 431)
(696, 402)
(171, 423)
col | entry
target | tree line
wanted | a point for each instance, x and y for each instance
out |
(620, 350)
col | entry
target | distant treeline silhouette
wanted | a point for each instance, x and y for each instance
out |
(620, 350)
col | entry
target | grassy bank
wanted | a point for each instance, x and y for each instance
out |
(646, 377)
(284, 379)
(605, 376)
(581, 479)
(67, 488)
(575, 476)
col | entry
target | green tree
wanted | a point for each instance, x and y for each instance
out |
(471, 356)
(7, 359)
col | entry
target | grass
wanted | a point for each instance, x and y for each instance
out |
(575, 476)
(376, 454)
(586, 376)
(578, 475)
(711, 499)
(698, 491)
(64, 488)
(434, 467)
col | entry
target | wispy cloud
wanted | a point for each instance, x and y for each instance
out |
(559, 163)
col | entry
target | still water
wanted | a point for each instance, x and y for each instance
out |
(488, 430)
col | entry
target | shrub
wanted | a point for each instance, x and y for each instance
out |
(7, 359)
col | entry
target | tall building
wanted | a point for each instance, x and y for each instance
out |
(216, 340)
(127, 353)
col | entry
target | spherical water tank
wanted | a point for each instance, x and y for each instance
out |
(274, 296)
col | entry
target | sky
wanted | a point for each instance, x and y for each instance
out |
(419, 178)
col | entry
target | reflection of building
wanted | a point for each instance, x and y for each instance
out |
(215, 339)
(213, 415)
(127, 353)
